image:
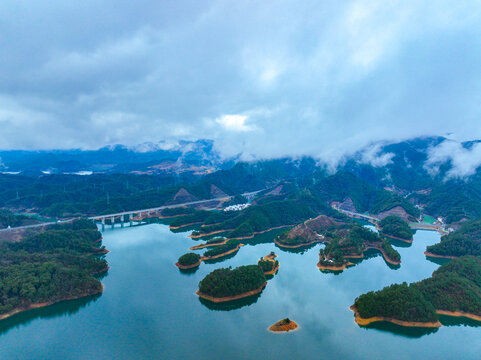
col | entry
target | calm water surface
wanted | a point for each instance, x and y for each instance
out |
(149, 311)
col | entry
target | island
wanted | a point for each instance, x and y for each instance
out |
(225, 284)
(464, 241)
(269, 264)
(344, 241)
(396, 228)
(50, 266)
(284, 325)
(188, 261)
(454, 289)
(210, 243)
(228, 248)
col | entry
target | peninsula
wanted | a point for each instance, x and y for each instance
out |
(50, 266)
(454, 289)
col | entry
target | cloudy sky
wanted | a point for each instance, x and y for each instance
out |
(265, 78)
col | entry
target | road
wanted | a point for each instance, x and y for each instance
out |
(98, 217)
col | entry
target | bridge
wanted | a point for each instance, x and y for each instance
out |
(139, 215)
(358, 215)
(129, 215)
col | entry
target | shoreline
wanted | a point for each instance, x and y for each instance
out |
(259, 232)
(366, 321)
(231, 298)
(334, 267)
(297, 245)
(459, 314)
(206, 234)
(240, 237)
(283, 328)
(427, 253)
(186, 267)
(221, 255)
(45, 304)
(386, 258)
(409, 241)
(273, 271)
(104, 270)
(184, 225)
(201, 246)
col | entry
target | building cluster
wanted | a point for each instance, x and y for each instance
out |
(237, 207)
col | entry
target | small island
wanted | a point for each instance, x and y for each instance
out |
(228, 248)
(396, 228)
(227, 284)
(454, 289)
(210, 243)
(269, 264)
(188, 261)
(284, 325)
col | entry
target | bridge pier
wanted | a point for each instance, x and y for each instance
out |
(121, 221)
(112, 220)
(131, 215)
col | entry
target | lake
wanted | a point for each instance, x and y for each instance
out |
(149, 310)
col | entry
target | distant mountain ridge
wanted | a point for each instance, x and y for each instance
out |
(150, 158)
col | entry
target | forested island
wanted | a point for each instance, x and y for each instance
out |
(188, 261)
(395, 227)
(464, 241)
(50, 266)
(454, 290)
(344, 240)
(229, 247)
(227, 284)
(269, 264)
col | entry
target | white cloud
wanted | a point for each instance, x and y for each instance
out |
(463, 162)
(235, 123)
(373, 155)
(320, 78)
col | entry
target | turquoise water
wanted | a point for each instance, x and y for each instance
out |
(149, 310)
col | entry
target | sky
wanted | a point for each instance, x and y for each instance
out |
(261, 78)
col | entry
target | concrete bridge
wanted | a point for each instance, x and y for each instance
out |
(139, 215)
(356, 215)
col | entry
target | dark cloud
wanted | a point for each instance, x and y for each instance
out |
(260, 78)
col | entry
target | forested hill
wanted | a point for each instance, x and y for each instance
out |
(454, 287)
(50, 266)
(399, 181)
(464, 241)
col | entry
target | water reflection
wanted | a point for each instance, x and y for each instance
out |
(438, 261)
(231, 305)
(408, 332)
(190, 271)
(299, 250)
(221, 259)
(456, 321)
(63, 308)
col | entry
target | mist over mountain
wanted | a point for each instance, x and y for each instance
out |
(407, 164)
